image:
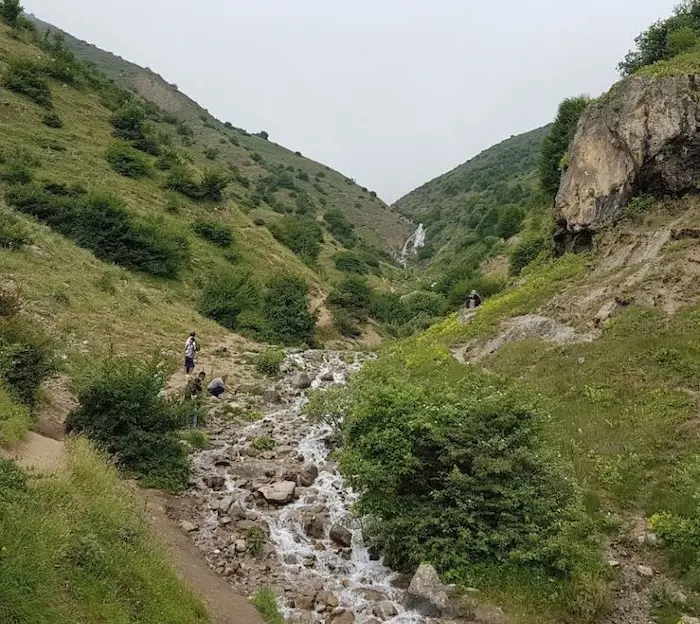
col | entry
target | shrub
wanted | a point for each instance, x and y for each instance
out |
(346, 324)
(455, 473)
(213, 184)
(122, 409)
(340, 227)
(255, 157)
(269, 361)
(300, 234)
(303, 176)
(263, 444)
(211, 153)
(26, 77)
(129, 121)
(525, 252)
(99, 222)
(388, 308)
(350, 262)
(258, 221)
(286, 311)
(26, 359)
(354, 295)
(228, 294)
(127, 161)
(210, 186)
(425, 302)
(52, 120)
(10, 11)
(167, 160)
(215, 232)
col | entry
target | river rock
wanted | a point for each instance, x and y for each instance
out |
(279, 493)
(224, 505)
(341, 536)
(241, 546)
(305, 602)
(301, 381)
(307, 475)
(272, 396)
(385, 610)
(314, 526)
(426, 593)
(215, 482)
(327, 376)
(346, 617)
(327, 599)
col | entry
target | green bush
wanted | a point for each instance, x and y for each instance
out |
(263, 444)
(350, 262)
(354, 295)
(122, 409)
(215, 232)
(346, 324)
(127, 161)
(26, 359)
(168, 159)
(10, 11)
(227, 295)
(525, 252)
(211, 153)
(101, 223)
(425, 302)
(301, 234)
(13, 235)
(52, 120)
(286, 311)
(269, 361)
(265, 602)
(210, 186)
(129, 122)
(455, 473)
(26, 77)
(342, 229)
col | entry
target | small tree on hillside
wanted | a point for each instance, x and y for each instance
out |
(10, 10)
(556, 144)
(286, 309)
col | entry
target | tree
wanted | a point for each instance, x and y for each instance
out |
(286, 310)
(556, 144)
(10, 11)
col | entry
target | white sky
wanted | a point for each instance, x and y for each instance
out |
(390, 92)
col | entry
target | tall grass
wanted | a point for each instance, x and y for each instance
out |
(74, 548)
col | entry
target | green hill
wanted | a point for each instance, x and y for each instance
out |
(481, 201)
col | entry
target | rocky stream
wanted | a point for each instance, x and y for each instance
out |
(268, 508)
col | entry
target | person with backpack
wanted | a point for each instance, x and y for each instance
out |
(474, 300)
(191, 349)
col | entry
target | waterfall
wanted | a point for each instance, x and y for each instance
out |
(413, 244)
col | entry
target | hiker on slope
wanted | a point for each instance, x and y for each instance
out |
(191, 349)
(217, 387)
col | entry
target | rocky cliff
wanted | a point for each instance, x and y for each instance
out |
(641, 137)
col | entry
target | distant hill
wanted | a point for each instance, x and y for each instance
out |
(375, 222)
(485, 199)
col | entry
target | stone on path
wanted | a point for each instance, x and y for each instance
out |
(279, 493)
(645, 571)
(341, 536)
(188, 527)
(346, 617)
(307, 475)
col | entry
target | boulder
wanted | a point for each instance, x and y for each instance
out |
(314, 526)
(489, 614)
(279, 493)
(327, 599)
(308, 474)
(328, 376)
(426, 593)
(385, 610)
(642, 137)
(346, 617)
(645, 571)
(341, 536)
(301, 381)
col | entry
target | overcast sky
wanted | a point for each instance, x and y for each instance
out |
(390, 92)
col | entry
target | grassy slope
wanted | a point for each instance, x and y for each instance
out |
(75, 548)
(379, 225)
(84, 300)
(501, 175)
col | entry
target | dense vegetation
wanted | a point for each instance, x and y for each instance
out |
(122, 409)
(665, 39)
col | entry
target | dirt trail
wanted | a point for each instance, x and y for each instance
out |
(46, 455)
(223, 604)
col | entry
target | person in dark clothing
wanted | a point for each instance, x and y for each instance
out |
(217, 387)
(195, 386)
(474, 300)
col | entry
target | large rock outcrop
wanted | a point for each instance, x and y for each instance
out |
(643, 136)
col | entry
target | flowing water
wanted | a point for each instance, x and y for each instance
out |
(296, 562)
(413, 244)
